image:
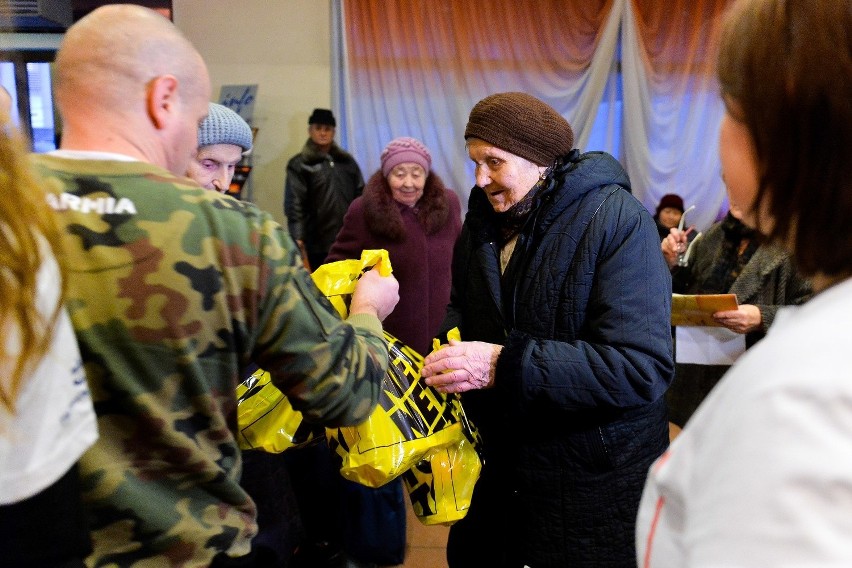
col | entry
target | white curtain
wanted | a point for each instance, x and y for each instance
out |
(633, 77)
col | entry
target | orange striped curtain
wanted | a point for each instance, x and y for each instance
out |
(640, 71)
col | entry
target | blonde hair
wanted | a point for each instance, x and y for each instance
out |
(28, 232)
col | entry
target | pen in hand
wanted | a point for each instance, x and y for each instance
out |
(681, 248)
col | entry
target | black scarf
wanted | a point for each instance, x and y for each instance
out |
(513, 219)
(738, 246)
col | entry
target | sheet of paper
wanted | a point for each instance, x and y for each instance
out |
(699, 309)
(708, 345)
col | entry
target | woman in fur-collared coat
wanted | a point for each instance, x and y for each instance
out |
(406, 210)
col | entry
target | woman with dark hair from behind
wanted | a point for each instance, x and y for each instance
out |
(46, 415)
(762, 474)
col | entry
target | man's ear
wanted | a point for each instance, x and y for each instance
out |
(162, 100)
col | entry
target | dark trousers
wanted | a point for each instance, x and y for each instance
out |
(267, 480)
(315, 475)
(47, 530)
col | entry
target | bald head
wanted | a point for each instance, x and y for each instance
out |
(127, 72)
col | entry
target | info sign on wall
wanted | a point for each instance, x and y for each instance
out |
(240, 99)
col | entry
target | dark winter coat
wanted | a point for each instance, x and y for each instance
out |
(419, 241)
(317, 192)
(576, 414)
(768, 281)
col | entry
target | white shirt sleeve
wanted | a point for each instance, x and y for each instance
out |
(762, 475)
(54, 421)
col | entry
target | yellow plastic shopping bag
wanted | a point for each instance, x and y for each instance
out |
(411, 420)
(266, 419)
(337, 280)
(414, 427)
(440, 486)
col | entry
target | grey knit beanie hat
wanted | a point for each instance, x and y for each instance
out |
(224, 126)
(522, 125)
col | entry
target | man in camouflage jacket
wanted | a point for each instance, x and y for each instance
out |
(173, 291)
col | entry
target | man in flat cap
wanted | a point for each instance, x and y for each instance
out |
(322, 180)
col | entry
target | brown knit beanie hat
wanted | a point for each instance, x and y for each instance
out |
(521, 124)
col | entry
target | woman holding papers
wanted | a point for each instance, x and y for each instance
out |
(728, 258)
(762, 474)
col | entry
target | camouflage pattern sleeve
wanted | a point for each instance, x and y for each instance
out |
(331, 371)
(172, 291)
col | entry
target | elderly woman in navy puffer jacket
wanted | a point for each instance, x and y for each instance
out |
(563, 301)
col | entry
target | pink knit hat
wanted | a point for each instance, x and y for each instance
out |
(402, 150)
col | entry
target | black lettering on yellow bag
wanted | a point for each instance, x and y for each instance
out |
(410, 420)
(415, 431)
(265, 418)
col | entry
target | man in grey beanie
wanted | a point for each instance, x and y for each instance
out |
(223, 139)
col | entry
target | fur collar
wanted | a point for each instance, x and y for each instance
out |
(311, 154)
(383, 215)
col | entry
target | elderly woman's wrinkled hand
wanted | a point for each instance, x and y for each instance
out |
(461, 366)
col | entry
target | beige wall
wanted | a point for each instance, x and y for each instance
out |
(284, 47)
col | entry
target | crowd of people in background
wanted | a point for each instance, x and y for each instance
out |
(137, 295)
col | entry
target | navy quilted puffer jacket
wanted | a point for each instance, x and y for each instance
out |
(576, 415)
